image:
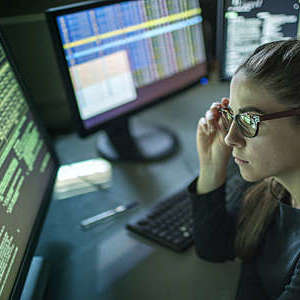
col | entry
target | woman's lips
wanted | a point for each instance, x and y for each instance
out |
(240, 161)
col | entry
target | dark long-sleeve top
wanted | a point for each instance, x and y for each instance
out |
(274, 272)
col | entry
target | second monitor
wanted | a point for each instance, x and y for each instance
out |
(119, 57)
(245, 25)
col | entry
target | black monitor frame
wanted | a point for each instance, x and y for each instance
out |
(221, 38)
(51, 15)
(42, 213)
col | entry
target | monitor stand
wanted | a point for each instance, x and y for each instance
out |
(123, 142)
(36, 281)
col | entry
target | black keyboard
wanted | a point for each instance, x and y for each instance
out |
(168, 223)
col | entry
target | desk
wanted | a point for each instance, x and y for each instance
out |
(108, 262)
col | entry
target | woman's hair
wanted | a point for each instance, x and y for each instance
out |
(275, 67)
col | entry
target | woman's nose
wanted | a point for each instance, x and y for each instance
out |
(234, 137)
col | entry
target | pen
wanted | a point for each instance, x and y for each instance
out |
(87, 223)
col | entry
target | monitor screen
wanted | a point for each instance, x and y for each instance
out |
(27, 171)
(118, 57)
(243, 25)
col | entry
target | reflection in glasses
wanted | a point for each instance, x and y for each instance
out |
(248, 122)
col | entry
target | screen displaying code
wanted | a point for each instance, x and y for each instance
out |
(249, 24)
(25, 168)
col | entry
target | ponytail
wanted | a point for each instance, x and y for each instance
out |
(258, 207)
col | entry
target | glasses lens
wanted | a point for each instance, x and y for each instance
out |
(247, 124)
(226, 118)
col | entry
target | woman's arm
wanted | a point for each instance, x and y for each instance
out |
(215, 218)
(292, 289)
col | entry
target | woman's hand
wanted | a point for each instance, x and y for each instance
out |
(213, 153)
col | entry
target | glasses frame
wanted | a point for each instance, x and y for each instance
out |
(257, 118)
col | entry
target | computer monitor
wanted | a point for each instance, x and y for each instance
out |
(119, 57)
(243, 25)
(27, 170)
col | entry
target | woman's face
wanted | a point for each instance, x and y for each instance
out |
(275, 151)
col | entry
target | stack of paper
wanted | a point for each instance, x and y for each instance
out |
(82, 177)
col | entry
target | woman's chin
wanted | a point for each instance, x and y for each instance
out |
(251, 177)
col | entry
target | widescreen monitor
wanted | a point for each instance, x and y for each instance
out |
(28, 168)
(119, 57)
(243, 25)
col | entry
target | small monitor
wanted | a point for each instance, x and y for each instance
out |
(119, 57)
(28, 168)
(243, 25)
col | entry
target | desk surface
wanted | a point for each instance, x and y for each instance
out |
(108, 261)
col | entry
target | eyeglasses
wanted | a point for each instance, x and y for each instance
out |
(248, 122)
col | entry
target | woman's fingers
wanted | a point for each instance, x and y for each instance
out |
(210, 118)
(213, 115)
(203, 127)
(225, 101)
(211, 121)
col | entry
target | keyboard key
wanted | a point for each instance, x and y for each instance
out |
(168, 223)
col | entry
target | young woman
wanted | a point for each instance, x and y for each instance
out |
(259, 125)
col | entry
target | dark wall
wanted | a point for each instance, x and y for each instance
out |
(28, 7)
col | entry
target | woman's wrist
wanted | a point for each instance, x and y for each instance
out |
(209, 180)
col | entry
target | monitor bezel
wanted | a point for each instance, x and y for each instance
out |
(51, 15)
(42, 212)
(221, 38)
